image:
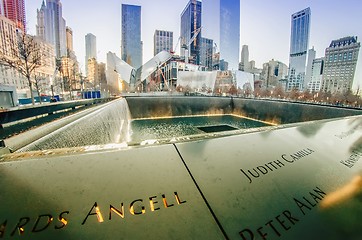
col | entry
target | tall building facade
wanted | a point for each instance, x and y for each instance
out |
(92, 75)
(8, 41)
(45, 72)
(15, 11)
(70, 65)
(1, 7)
(230, 32)
(131, 46)
(244, 61)
(315, 83)
(308, 72)
(70, 50)
(69, 38)
(190, 25)
(340, 65)
(51, 26)
(207, 47)
(90, 49)
(273, 71)
(299, 41)
(10, 76)
(162, 41)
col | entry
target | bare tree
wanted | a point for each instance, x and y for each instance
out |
(294, 94)
(279, 91)
(233, 90)
(23, 54)
(37, 81)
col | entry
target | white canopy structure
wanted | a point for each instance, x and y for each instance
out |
(244, 80)
(152, 65)
(125, 71)
(197, 80)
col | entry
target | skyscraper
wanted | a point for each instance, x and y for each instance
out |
(69, 34)
(8, 37)
(299, 40)
(162, 41)
(90, 49)
(131, 48)
(15, 11)
(1, 7)
(230, 32)
(273, 71)
(244, 61)
(308, 71)
(340, 65)
(191, 25)
(51, 26)
(206, 54)
(314, 85)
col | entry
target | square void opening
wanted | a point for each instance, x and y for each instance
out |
(217, 128)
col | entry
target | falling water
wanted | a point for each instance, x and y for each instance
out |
(109, 124)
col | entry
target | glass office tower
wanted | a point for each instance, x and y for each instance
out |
(131, 46)
(90, 49)
(230, 32)
(299, 40)
(190, 24)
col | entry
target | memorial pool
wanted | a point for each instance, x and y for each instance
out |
(292, 181)
(174, 127)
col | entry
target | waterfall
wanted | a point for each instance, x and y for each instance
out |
(109, 124)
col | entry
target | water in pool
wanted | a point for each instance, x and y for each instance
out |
(159, 128)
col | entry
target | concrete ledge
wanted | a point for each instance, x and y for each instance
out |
(301, 182)
(18, 141)
(33, 111)
(280, 112)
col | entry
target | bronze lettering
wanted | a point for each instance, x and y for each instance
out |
(62, 220)
(116, 211)
(97, 212)
(20, 226)
(179, 202)
(49, 220)
(165, 201)
(152, 204)
(131, 208)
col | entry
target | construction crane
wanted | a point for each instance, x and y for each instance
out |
(175, 48)
(186, 46)
(195, 19)
(215, 47)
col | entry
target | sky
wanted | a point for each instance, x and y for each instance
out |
(264, 25)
